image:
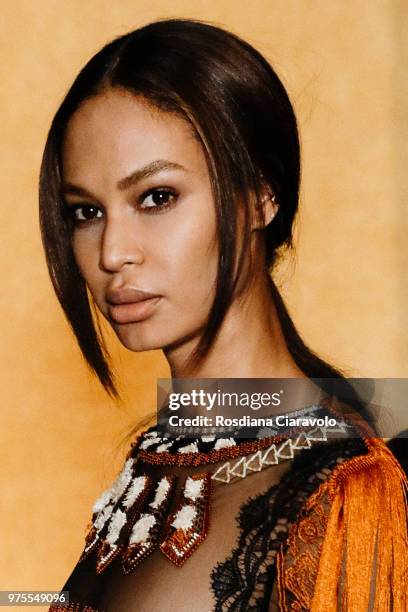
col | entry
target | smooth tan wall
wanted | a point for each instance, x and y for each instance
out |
(342, 63)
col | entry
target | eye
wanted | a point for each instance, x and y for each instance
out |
(86, 212)
(158, 199)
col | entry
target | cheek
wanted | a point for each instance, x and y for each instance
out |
(85, 245)
(191, 263)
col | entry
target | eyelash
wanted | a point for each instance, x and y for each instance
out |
(151, 210)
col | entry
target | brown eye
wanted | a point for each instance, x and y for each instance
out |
(87, 213)
(158, 198)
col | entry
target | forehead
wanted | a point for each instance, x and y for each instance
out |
(115, 130)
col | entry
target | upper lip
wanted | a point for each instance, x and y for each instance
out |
(127, 295)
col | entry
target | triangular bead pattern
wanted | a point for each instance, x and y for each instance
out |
(274, 454)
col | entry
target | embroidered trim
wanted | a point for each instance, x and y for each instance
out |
(123, 524)
(271, 456)
(299, 566)
(188, 525)
(193, 452)
(114, 514)
(146, 531)
(194, 459)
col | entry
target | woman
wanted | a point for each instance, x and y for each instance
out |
(169, 187)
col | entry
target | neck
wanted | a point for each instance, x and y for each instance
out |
(250, 343)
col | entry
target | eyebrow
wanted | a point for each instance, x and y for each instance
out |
(141, 173)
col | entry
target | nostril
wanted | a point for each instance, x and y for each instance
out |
(119, 247)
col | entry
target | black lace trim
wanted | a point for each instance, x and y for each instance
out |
(244, 581)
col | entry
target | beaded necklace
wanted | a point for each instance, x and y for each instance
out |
(133, 517)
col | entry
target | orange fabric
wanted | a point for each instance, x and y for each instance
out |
(358, 516)
(297, 567)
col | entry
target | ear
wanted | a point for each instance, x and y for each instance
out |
(268, 207)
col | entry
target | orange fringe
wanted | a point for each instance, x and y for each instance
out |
(367, 532)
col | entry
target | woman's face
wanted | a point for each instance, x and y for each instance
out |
(137, 185)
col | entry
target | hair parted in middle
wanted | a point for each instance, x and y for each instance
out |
(240, 112)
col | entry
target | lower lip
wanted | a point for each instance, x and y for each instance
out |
(133, 312)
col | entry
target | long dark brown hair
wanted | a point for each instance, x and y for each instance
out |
(241, 113)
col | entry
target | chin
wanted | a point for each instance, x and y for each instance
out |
(136, 339)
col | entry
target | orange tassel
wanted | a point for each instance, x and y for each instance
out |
(367, 532)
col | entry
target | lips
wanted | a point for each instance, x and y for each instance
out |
(129, 305)
(127, 295)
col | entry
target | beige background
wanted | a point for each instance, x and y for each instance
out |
(344, 63)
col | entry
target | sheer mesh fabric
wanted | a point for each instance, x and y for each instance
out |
(235, 567)
(156, 584)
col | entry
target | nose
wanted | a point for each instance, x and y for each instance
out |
(120, 244)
